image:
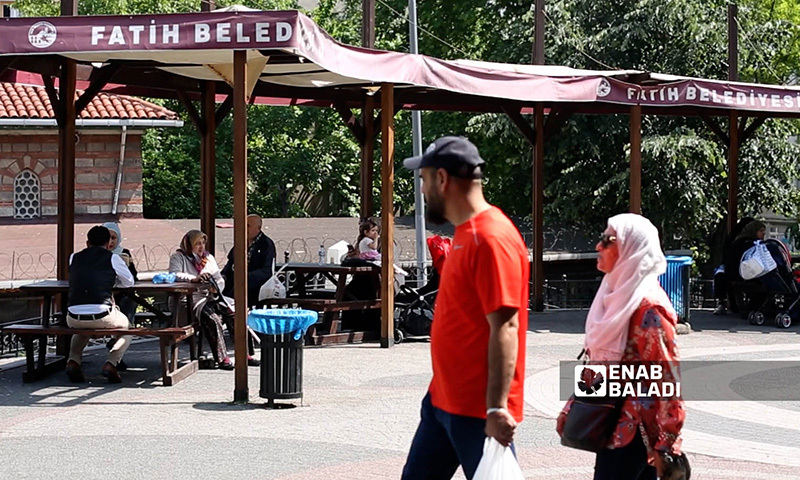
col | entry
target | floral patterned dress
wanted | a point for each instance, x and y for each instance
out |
(651, 338)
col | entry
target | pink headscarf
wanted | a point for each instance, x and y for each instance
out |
(634, 276)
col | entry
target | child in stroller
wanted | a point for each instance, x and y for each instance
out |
(414, 307)
(774, 293)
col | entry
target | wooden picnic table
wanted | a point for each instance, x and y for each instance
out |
(169, 336)
(138, 292)
(329, 304)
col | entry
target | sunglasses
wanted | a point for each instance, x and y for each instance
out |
(606, 240)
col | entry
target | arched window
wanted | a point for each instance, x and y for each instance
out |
(27, 195)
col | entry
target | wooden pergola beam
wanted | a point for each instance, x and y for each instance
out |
(241, 393)
(733, 170)
(6, 63)
(66, 169)
(746, 133)
(537, 270)
(387, 216)
(368, 156)
(55, 101)
(103, 76)
(194, 115)
(224, 109)
(351, 121)
(208, 163)
(636, 159)
(522, 125)
(712, 125)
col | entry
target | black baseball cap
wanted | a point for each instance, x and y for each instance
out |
(457, 155)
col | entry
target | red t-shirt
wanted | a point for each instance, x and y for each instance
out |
(488, 268)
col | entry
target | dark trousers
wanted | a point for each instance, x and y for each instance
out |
(211, 321)
(626, 463)
(229, 321)
(443, 442)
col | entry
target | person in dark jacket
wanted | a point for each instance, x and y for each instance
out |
(721, 277)
(260, 261)
(751, 232)
(260, 267)
(93, 273)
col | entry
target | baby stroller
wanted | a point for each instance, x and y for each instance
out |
(413, 308)
(774, 293)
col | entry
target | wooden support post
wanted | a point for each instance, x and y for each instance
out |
(387, 215)
(69, 8)
(733, 135)
(538, 210)
(733, 169)
(208, 163)
(240, 392)
(66, 168)
(367, 156)
(538, 42)
(636, 160)
(368, 23)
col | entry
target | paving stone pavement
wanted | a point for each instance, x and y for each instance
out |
(358, 416)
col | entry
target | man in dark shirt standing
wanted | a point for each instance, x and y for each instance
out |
(93, 273)
(260, 267)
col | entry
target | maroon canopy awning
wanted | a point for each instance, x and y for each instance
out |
(293, 61)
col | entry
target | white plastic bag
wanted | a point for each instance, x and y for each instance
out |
(497, 463)
(273, 288)
(756, 262)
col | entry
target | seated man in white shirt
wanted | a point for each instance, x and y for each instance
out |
(93, 273)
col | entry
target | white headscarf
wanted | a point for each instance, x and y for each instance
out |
(113, 226)
(634, 275)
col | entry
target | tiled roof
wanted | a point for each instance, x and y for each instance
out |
(27, 101)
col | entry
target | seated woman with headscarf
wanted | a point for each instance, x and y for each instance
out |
(125, 303)
(631, 320)
(193, 263)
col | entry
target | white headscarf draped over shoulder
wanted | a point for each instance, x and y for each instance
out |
(634, 276)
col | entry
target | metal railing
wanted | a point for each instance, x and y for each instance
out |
(22, 265)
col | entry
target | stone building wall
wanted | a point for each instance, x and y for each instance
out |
(28, 156)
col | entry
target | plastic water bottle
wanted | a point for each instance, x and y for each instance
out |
(321, 254)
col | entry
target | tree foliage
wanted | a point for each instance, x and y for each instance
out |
(586, 172)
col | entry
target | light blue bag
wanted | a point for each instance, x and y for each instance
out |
(164, 278)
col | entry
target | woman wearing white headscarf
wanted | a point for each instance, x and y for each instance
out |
(115, 245)
(125, 303)
(631, 320)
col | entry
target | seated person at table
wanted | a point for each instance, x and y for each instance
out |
(368, 240)
(124, 302)
(93, 272)
(260, 268)
(193, 263)
(260, 261)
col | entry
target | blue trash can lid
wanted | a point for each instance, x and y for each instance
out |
(679, 259)
(277, 321)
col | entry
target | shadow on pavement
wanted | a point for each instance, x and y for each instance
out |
(559, 321)
(239, 407)
(702, 320)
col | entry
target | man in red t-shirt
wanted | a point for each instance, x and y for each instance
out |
(479, 323)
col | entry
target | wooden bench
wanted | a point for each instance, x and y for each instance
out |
(327, 329)
(169, 339)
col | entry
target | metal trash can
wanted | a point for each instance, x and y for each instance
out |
(281, 332)
(676, 283)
